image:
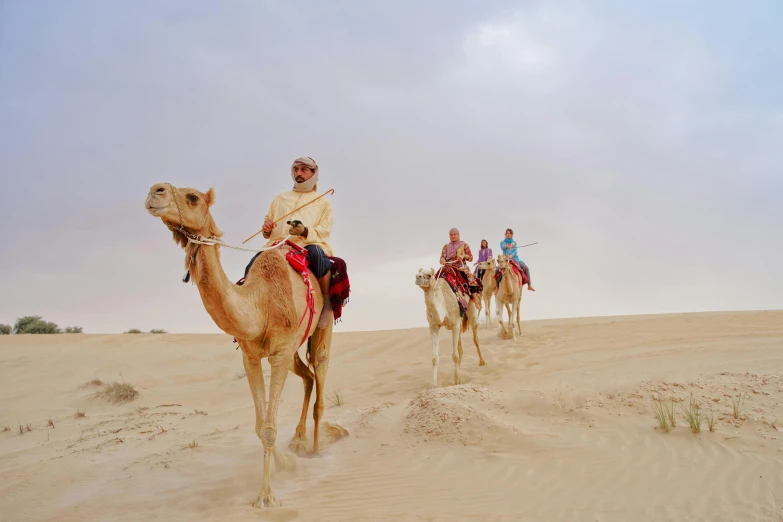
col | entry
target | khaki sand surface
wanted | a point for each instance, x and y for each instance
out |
(555, 427)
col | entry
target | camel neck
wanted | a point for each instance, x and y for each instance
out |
(229, 305)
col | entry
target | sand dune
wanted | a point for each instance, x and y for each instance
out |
(555, 427)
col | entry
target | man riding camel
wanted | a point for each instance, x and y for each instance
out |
(310, 226)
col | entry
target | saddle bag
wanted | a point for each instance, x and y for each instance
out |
(297, 257)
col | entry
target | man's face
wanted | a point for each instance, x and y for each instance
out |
(303, 173)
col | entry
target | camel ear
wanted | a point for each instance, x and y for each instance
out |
(209, 197)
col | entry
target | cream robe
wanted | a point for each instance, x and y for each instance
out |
(317, 217)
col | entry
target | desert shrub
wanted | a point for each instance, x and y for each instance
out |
(157, 331)
(118, 392)
(74, 329)
(34, 324)
(5, 329)
(133, 331)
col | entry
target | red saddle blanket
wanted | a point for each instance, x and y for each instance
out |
(458, 281)
(339, 288)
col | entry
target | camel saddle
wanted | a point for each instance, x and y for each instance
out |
(458, 281)
(339, 287)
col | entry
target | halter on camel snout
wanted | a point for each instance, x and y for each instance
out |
(199, 240)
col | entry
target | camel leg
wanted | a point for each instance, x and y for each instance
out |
(320, 343)
(474, 324)
(255, 378)
(434, 331)
(456, 340)
(501, 311)
(519, 324)
(298, 442)
(280, 363)
(510, 309)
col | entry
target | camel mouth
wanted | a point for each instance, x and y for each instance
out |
(157, 211)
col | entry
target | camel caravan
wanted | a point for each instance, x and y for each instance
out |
(453, 295)
(293, 291)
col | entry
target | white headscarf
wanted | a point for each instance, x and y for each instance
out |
(310, 184)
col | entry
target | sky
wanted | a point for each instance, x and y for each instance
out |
(639, 143)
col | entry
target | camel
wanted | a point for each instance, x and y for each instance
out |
(488, 281)
(263, 315)
(443, 310)
(509, 296)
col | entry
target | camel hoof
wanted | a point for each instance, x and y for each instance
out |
(482, 362)
(266, 501)
(298, 445)
(432, 386)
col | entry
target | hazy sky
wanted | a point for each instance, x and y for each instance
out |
(640, 143)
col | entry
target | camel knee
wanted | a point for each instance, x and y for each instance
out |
(269, 436)
(435, 360)
(455, 358)
(318, 411)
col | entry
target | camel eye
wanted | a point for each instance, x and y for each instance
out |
(193, 198)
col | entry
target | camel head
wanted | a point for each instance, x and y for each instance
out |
(424, 278)
(503, 262)
(490, 265)
(184, 208)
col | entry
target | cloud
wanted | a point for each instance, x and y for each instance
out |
(535, 49)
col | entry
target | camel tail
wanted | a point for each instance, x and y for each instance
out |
(465, 322)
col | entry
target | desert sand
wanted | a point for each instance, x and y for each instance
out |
(555, 427)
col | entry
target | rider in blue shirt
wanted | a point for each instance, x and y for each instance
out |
(509, 248)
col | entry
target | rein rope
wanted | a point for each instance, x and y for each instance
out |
(199, 240)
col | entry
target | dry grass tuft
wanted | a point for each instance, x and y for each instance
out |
(51, 423)
(334, 431)
(118, 392)
(93, 382)
(336, 398)
(737, 405)
(671, 416)
(191, 445)
(693, 415)
(711, 421)
(80, 414)
(6, 428)
(660, 414)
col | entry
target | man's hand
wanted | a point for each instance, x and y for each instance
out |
(297, 228)
(268, 225)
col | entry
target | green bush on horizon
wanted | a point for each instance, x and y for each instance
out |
(34, 324)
